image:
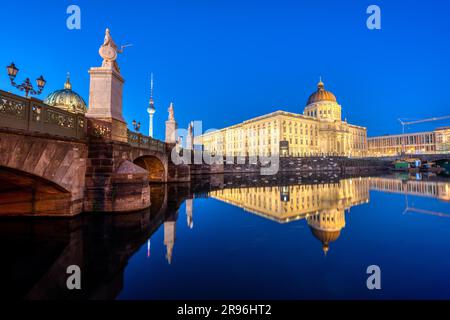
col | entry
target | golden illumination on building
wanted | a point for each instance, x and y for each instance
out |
(431, 189)
(318, 131)
(322, 205)
(437, 141)
(443, 140)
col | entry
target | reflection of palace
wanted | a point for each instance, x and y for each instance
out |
(322, 205)
(432, 189)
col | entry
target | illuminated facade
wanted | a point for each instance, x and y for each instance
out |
(437, 141)
(322, 205)
(443, 140)
(430, 189)
(318, 131)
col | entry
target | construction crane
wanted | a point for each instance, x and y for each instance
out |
(407, 123)
(423, 211)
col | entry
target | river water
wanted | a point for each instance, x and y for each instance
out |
(245, 238)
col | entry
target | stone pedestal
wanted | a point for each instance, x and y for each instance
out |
(190, 138)
(105, 100)
(171, 131)
(113, 183)
(169, 238)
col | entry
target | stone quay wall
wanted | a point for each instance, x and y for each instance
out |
(341, 165)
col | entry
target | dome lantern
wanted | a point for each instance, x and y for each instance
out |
(321, 94)
(68, 85)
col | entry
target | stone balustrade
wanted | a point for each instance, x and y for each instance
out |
(138, 140)
(32, 115)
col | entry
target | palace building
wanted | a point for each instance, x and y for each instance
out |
(437, 141)
(320, 130)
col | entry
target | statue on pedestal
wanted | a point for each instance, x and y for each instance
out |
(106, 90)
(109, 51)
(171, 112)
(171, 126)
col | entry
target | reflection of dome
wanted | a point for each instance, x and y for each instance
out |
(66, 99)
(327, 225)
(326, 237)
(321, 95)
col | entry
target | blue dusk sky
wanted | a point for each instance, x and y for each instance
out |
(223, 62)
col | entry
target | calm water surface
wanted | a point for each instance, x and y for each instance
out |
(243, 237)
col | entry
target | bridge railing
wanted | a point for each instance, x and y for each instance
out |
(145, 142)
(33, 115)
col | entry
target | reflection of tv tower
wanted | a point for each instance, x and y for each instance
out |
(148, 248)
(151, 108)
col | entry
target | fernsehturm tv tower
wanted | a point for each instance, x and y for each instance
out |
(151, 108)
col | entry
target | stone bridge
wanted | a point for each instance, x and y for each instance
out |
(57, 162)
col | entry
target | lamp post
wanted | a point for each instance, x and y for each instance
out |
(25, 85)
(136, 125)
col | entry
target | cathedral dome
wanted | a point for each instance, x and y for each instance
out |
(66, 99)
(321, 95)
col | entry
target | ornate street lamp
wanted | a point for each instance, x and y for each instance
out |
(136, 125)
(26, 85)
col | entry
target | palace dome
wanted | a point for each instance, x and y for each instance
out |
(66, 99)
(321, 95)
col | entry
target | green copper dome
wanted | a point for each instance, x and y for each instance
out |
(66, 99)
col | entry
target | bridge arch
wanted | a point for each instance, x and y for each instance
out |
(22, 193)
(53, 162)
(155, 165)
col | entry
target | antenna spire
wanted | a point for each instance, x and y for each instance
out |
(151, 108)
(151, 102)
(151, 86)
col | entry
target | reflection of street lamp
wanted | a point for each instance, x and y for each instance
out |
(26, 85)
(136, 125)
